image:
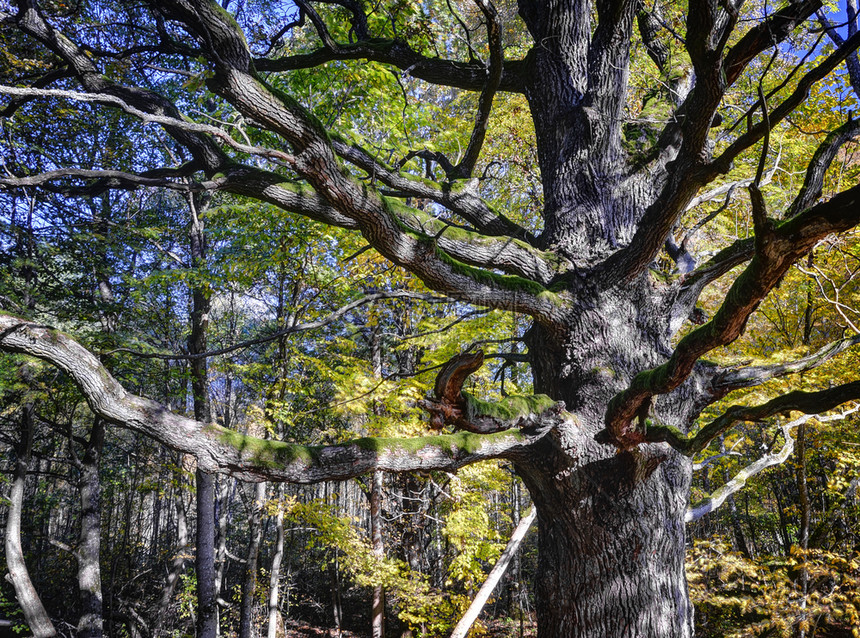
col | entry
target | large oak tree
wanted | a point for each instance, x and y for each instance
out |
(605, 447)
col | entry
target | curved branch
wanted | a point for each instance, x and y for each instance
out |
(739, 480)
(315, 161)
(463, 411)
(708, 505)
(810, 403)
(727, 380)
(471, 76)
(249, 458)
(826, 152)
(485, 102)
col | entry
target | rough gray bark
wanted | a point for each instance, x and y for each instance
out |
(34, 611)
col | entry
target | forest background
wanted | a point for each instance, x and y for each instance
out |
(310, 336)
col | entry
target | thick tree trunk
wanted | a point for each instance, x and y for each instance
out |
(34, 611)
(611, 549)
(611, 525)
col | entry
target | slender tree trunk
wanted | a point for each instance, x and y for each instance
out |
(803, 505)
(275, 620)
(377, 623)
(177, 565)
(207, 607)
(34, 611)
(249, 583)
(91, 622)
(494, 577)
(223, 516)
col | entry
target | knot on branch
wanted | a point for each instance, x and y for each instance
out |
(460, 409)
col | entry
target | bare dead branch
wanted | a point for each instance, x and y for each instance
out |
(739, 480)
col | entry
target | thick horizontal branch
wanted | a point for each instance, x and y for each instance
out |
(786, 244)
(471, 76)
(220, 450)
(811, 403)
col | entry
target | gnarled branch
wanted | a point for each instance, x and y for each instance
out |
(463, 411)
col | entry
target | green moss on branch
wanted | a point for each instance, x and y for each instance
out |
(511, 408)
